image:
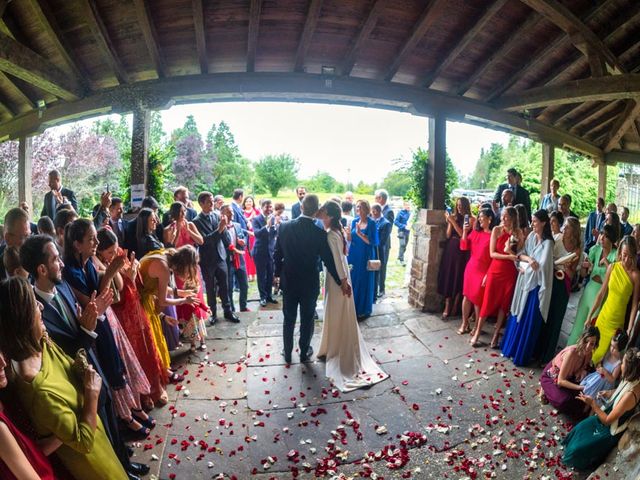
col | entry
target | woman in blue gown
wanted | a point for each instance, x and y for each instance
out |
(591, 440)
(364, 240)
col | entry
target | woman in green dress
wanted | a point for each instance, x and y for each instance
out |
(591, 440)
(601, 255)
(59, 402)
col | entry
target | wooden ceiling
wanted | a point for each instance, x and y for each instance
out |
(565, 66)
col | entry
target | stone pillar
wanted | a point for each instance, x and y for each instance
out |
(602, 181)
(548, 165)
(140, 147)
(429, 229)
(24, 171)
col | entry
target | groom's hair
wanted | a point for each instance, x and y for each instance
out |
(310, 205)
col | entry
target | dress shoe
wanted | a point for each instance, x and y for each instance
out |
(263, 303)
(131, 476)
(231, 317)
(272, 300)
(245, 309)
(287, 358)
(307, 356)
(138, 468)
(212, 321)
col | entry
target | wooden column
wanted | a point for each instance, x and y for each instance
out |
(24, 171)
(140, 147)
(436, 166)
(602, 181)
(548, 164)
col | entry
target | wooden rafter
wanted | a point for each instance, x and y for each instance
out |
(431, 12)
(150, 37)
(23, 63)
(201, 40)
(569, 113)
(593, 115)
(507, 45)
(597, 130)
(464, 42)
(365, 30)
(47, 20)
(17, 92)
(313, 14)
(552, 45)
(569, 23)
(622, 124)
(575, 91)
(254, 27)
(99, 32)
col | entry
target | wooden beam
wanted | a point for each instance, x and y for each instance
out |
(27, 65)
(569, 23)
(607, 88)
(3, 6)
(569, 112)
(593, 114)
(602, 181)
(430, 14)
(464, 42)
(300, 87)
(201, 39)
(622, 124)
(25, 170)
(101, 35)
(313, 14)
(254, 27)
(45, 16)
(437, 164)
(622, 156)
(140, 146)
(365, 30)
(150, 37)
(506, 46)
(548, 168)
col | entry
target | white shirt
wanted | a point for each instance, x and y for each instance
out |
(49, 296)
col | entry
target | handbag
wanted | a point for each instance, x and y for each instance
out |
(373, 265)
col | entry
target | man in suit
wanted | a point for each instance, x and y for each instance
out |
(265, 229)
(595, 221)
(56, 196)
(32, 225)
(521, 194)
(181, 194)
(299, 244)
(72, 331)
(16, 231)
(236, 206)
(624, 222)
(384, 237)
(296, 208)
(236, 265)
(213, 256)
(381, 198)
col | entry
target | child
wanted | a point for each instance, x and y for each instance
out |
(192, 317)
(608, 371)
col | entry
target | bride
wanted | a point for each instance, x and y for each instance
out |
(348, 363)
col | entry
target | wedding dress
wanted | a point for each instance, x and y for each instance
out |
(348, 363)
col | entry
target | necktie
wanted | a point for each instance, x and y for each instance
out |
(63, 311)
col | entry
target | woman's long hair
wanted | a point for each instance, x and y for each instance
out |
(592, 331)
(575, 237)
(466, 208)
(106, 239)
(487, 212)
(615, 222)
(543, 216)
(184, 262)
(523, 220)
(17, 320)
(332, 210)
(141, 225)
(74, 232)
(175, 209)
(513, 216)
(630, 243)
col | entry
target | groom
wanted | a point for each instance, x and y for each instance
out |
(300, 242)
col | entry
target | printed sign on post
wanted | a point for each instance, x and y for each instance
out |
(137, 194)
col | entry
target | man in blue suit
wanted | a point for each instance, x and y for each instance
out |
(595, 221)
(71, 332)
(265, 229)
(57, 196)
(384, 236)
(381, 197)
(236, 206)
(236, 265)
(296, 209)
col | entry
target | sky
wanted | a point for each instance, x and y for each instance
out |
(351, 143)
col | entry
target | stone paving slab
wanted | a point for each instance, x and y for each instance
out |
(384, 332)
(394, 349)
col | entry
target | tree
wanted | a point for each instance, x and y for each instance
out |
(230, 169)
(418, 193)
(397, 182)
(276, 172)
(192, 165)
(323, 182)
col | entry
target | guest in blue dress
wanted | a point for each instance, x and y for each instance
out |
(532, 294)
(591, 440)
(608, 372)
(364, 240)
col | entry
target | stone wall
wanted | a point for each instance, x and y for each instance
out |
(429, 233)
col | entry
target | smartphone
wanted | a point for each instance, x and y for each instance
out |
(107, 188)
(466, 219)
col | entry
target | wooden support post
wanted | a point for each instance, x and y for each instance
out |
(548, 164)
(436, 166)
(602, 181)
(24, 171)
(140, 148)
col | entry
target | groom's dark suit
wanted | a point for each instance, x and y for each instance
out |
(300, 242)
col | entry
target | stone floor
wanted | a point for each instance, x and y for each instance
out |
(447, 411)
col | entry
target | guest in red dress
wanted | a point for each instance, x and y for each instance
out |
(20, 457)
(249, 209)
(476, 240)
(506, 241)
(133, 318)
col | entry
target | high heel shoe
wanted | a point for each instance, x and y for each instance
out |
(149, 422)
(137, 434)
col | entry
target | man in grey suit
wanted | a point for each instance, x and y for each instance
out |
(296, 209)
(381, 197)
(57, 196)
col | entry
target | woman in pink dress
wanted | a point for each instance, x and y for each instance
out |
(178, 233)
(250, 211)
(477, 240)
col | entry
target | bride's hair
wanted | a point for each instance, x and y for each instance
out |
(332, 210)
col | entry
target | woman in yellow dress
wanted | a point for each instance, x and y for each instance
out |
(621, 284)
(58, 401)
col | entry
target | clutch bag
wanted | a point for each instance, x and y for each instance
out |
(80, 363)
(373, 265)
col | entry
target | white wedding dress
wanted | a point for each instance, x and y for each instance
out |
(348, 363)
